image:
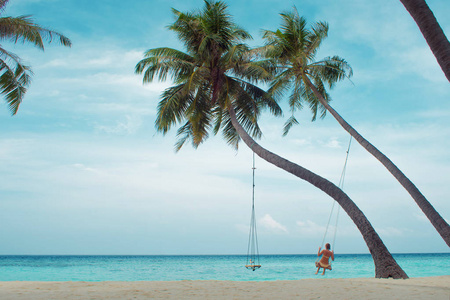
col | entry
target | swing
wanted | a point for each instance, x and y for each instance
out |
(341, 186)
(252, 249)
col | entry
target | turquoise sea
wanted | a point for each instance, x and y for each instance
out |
(205, 267)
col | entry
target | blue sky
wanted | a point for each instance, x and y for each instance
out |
(84, 171)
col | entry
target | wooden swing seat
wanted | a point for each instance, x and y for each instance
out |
(253, 267)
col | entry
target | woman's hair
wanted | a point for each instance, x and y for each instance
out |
(327, 245)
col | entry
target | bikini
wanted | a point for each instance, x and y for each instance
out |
(320, 265)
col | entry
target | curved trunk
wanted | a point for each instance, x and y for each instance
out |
(385, 264)
(435, 218)
(431, 31)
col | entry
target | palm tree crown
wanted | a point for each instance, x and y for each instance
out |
(216, 71)
(293, 49)
(14, 75)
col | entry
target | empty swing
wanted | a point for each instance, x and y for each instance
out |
(252, 249)
(341, 186)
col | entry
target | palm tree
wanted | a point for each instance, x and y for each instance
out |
(431, 31)
(214, 90)
(14, 75)
(293, 49)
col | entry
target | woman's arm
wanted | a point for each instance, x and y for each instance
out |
(319, 253)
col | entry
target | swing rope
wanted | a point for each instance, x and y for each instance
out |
(253, 249)
(341, 186)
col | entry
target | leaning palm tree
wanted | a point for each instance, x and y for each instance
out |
(292, 50)
(214, 90)
(14, 75)
(431, 31)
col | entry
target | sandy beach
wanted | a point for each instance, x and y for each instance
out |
(435, 288)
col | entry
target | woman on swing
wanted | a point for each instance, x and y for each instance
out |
(324, 262)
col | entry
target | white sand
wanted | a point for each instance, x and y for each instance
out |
(435, 288)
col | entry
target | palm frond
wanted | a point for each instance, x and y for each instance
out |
(248, 104)
(217, 115)
(296, 97)
(240, 34)
(319, 84)
(288, 125)
(235, 55)
(3, 4)
(184, 133)
(13, 84)
(199, 115)
(314, 103)
(16, 77)
(187, 28)
(281, 84)
(217, 25)
(23, 29)
(164, 61)
(172, 107)
(332, 70)
(5, 55)
(230, 134)
(318, 32)
(255, 71)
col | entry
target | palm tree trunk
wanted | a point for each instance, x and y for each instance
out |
(435, 218)
(385, 264)
(432, 32)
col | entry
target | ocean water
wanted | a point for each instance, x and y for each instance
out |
(205, 267)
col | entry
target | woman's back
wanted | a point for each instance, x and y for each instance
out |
(326, 254)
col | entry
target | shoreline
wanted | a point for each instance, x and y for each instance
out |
(435, 287)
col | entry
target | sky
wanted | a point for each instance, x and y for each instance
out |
(83, 170)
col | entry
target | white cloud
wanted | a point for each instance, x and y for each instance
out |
(434, 113)
(301, 142)
(310, 228)
(270, 224)
(129, 126)
(84, 168)
(421, 61)
(333, 143)
(390, 231)
(93, 56)
(421, 217)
